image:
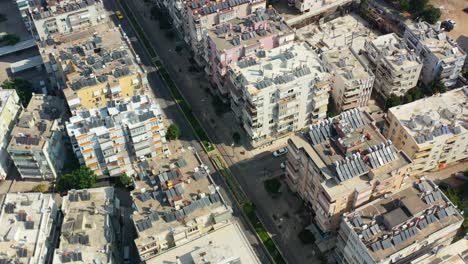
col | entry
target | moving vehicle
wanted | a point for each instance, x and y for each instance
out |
(280, 152)
(119, 15)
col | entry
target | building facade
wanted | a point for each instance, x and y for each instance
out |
(278, 91)
(29, 227)
(90, 232)
(397, 68)
(342, 163)
(352, 81)
(441, 56)
(37, 146)
(432, 131)
(400, 227)
(10, 110)
(109, 140)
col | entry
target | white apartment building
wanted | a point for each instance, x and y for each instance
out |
(397, 68)
(108, 140)
(176, 207)
(342, 163)
(314, 5)
(37, 146)
(441, 56)
(90, 229)
(352, 81)
(279, 91)
(52, 17)
(29, 228)
(433, 131)
(10, 109)
(400, 227)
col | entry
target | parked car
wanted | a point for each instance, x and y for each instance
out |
(280, 152)
(283, 165)
(461, 176)
(465, 9)
(119, 15)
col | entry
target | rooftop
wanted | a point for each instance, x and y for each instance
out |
(388, 225)
(87, 226)
(207, 7)
(346, 31)
(347, 148)
(4, 96)
(37, 122)
(346, 63)
(456, 253)
(137, 109)
(49, 8)
(436, 41)
(212, 248)
(439, 115)
(26, 220)
(288, 63)
(249, 30)
(395, 51)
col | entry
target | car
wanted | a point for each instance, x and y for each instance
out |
(465, 9)
(119, 15)
(283, 165)
(461, 176)
(280, 152)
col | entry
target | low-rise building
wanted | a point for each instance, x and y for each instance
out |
(29, 228)
(315, 5)
(37, 145)
(278, 91)
(174, 208)
(397, 68)
(442, 58)
(109, 140)
(90, 229)
(213, 248)
(456, 253)
(242, 37)
(342, 163)
(10, 110)
(352, 81)
(433, 131)
(399, 227)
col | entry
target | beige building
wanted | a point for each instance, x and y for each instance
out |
(279, 91)
(432, 131)
(37, 145)
(456, 253)
(352, 81)
(10, 110)
(397, 68)
(342, 163)
(399, 227)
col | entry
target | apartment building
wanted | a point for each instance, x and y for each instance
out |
(432, 131)
(213, 248)
(352, 81)
(239, 38)
(201, 15)
(455, 253)
(10, 109)
(175, 207)
(37, 145)
(399, 227)
(278, 91)
(48, 18)
(397, 68)
(342, 163)
(95, 66)
(29, 228)
(442, 58)
(108, 140)
(90, 232)
(314, 5)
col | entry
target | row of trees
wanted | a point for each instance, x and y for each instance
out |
(415, 94)
(421, 8)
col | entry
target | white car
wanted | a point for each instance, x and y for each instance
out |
(283, 165)
(280, 152)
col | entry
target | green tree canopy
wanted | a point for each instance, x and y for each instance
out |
(125, 180)
(41, 187)
(392, 101)
(437, 87)
(417, 6)
(82, 178)
(10, 39)
(431, 14)
(22, 87)
(173, 132)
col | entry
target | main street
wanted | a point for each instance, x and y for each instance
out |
(249, 168)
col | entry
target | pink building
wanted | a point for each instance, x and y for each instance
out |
(239, 38)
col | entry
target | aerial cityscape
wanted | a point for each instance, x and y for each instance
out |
(234, 131)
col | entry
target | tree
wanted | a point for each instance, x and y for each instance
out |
(392, 101)
(431, 14)
(125, 180)
(82, 178)
(437, 87)
(173, 132)
(22, 87)
(10, 39)
(236, 137)
(417, 6)
(404, 5)
(41, 187)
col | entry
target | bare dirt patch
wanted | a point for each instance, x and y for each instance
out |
(453, 9)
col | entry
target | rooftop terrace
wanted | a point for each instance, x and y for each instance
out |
(207, 7)
(347, 64)
(49, 8)
(438, 115)
(388, 225)
(395, 51)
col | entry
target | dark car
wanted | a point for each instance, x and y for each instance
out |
(465, 10)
